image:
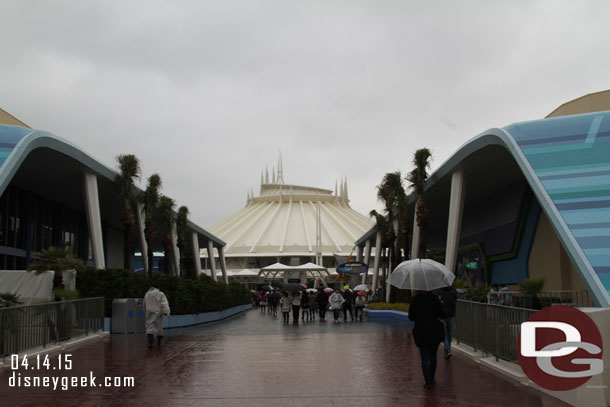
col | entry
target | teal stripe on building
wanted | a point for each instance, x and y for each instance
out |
(571, 157)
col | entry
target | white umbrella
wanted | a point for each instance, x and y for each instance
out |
(421, 274)
(312, 290)
(361, 287)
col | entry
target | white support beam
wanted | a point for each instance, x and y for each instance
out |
(367, 258)
(377, 258)
(244, 229)
(415, 240)
(143, 244)
(223, 265)
(211, 259)
(94, 219)
(175, 251)
(286, 225)
(262, 232)
(196, 255)
(305, 226)
(358, 253)
(341, 224)
(324, 228)
(454, 227)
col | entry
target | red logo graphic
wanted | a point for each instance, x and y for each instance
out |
(560, 348)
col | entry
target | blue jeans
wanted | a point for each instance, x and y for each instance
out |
(448, 322)
(428, 362)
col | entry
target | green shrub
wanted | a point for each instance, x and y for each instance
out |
(398, 306)
(478, 292)
(185, 295)
(531, 286)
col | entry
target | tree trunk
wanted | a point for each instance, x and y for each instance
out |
(127, 248)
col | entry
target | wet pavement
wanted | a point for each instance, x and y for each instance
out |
(253, 360)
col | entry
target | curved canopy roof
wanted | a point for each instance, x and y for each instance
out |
(566, 162)
(38, 159)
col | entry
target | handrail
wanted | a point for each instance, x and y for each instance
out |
(27, 327)
(492, 329)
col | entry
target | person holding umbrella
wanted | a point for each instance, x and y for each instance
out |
(349, 297)
(305, 305)
(296, 306)
(322, 300)
(426, 310)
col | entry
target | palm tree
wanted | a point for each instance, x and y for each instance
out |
(129, 171)
(181, 222)
(150, 199)
(58, 259)
(417, 181)
(166, 211)
(392, 193)
(382, 228)
(403, 220)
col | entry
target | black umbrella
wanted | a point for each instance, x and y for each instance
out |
(294, 287)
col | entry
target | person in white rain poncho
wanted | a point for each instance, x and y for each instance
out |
(336, 300)
(155, 305)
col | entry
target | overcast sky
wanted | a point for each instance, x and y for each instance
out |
(207, 92)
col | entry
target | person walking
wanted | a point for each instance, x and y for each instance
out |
(274, 300)
(448, 297)
(322, 299)
(155, 305)
(336, 300)
(286, 304)
(312, 306)
(263, 302)
(426, 311)
(296, 306)
(305, 305)
(348, 294)
(359, 303)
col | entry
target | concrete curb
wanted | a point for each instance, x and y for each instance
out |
(183, 321)
(507, 369)
(380, 315)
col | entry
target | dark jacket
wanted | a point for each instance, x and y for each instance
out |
(448, 297)
(322, 299)
(426, 310)
(349, 297)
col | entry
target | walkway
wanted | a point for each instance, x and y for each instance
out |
(254, 360)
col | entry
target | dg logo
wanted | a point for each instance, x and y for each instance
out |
(560, 348)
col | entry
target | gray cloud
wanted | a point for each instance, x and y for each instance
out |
(206, 93)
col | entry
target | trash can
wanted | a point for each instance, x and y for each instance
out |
(140, 317)
(128, 316)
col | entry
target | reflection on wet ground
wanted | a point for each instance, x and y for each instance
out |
(253, 359)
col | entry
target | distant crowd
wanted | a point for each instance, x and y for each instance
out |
(305, 305)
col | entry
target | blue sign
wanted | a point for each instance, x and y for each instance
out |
(353, 267)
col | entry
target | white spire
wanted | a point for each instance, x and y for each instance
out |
(341, 189)
(335, 187)
(274, 179)
(280, 170)
(266, 174)
(262, 178)
(346, 194)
